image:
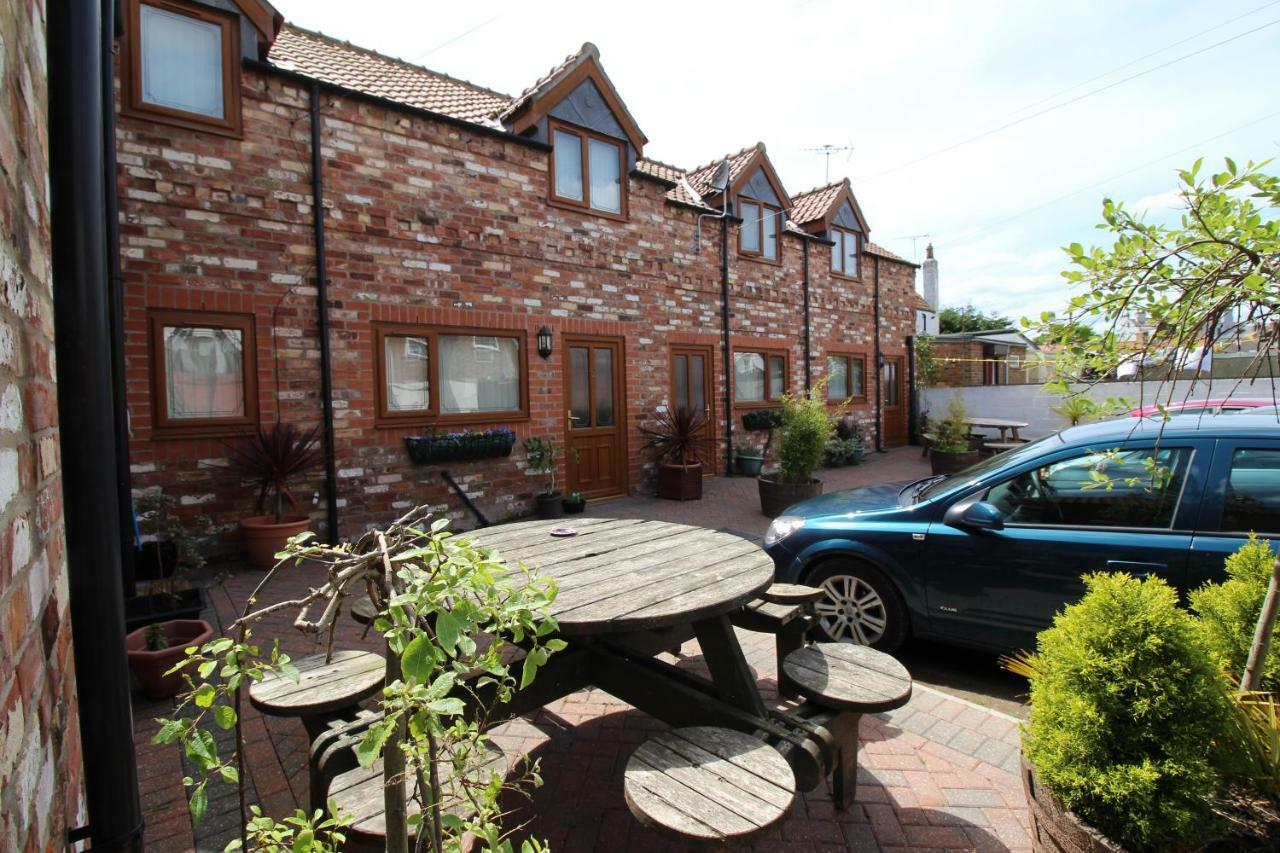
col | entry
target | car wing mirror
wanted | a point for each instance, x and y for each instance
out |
(974, 515)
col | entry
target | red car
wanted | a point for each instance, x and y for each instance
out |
(1209, 407)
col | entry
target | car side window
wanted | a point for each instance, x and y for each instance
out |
(1253, 492)
(1130, 488)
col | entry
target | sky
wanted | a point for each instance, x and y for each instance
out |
(994, 128)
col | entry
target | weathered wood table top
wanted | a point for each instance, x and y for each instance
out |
(621, 575)
(998, 423)
(324, 687)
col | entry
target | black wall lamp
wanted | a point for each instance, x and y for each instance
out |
(544, 342)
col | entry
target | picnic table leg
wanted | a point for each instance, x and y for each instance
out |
(728, 666)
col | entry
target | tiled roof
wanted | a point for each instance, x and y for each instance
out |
(700, 178)
(658, 169)
(874, 249)
(520, 100)
(918, 302)
(813, 204)
(343, 64)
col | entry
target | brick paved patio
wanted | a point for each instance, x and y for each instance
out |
(940, 773)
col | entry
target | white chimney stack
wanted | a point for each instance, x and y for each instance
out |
(929, 275)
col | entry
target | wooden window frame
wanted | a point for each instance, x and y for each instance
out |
(585, 136)
(164, 426)
(837, 232)
(772, 396)
(850, 358)
(132, 104)
(384, 417)
(759, 225)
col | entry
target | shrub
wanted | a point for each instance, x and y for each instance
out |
(951, 433)
(806, 428)
(1125, 703)
(1229, 611)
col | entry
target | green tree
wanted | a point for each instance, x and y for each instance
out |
(968, 318)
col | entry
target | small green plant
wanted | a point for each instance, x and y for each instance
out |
(297, 834)
(951, 432)
(575, 498)
(1229, 611)
(158, 521)
(807, 426)
(154, 638)
(1126, 704)
(541, 456)
(1076, 410)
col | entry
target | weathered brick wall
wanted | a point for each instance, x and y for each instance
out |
(963, 364)
(428, 222)
(39, 733)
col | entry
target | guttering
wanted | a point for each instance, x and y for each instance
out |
(875, 277)
(77, 33)
(808, 380)
(322, 307)
(728, 365)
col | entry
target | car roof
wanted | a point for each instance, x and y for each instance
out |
(1244, 424)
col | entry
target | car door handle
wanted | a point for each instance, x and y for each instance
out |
(1138, 570)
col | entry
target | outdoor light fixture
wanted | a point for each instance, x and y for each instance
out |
(544, 342)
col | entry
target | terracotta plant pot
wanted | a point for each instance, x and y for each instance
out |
(550, 506)
(263, 537)
(776, 496)
(151, 666)
(1056, 829)
(951, 463)
(680, 482)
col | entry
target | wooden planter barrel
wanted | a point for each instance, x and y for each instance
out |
(776, 496)
(1054, 827)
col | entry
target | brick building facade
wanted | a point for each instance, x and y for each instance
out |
(40, 761)
(458, 225)
(994, 357)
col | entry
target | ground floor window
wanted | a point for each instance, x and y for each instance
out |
(846, 377)
(759, 376)
(446, 373)
(204, 375)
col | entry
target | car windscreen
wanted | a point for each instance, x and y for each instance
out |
(987, 466)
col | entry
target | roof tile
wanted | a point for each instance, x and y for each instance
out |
(700, 178)
(814, 204)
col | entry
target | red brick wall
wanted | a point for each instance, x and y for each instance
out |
(39, 733)
(430, 223)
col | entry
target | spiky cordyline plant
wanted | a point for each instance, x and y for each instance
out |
(678, 436)
(271, 458)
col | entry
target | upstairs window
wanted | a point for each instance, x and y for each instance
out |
(204, 378)
(759, 234)
(183, 65)
(844, 253)
(587, 170)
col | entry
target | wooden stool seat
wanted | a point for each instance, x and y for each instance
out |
(324, 689)
(710, 784)
(363, 611)
(846, 677)
(793, 593)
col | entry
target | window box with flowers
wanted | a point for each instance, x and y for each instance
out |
(467, 446)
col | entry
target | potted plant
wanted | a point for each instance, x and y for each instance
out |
(271, 459)
(542, 457)
(575, 504)
(465, 446)
(806, 429)
(759, 420)
(678, 440)
(154, 649)
(167, 554)
(949, 448)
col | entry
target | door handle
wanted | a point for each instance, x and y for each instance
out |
(1139, 570)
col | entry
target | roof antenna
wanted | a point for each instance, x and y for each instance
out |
(719, 183)
(828, 150)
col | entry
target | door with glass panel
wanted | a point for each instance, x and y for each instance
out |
(691, 387)
(893, 391)
(595, 420)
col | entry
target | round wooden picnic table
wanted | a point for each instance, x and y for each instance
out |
(622, 575)
(324, 688)
(1002, 424)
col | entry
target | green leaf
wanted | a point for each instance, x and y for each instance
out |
(224, 716)
(201, 749)
(232, 846)
(205, 694)
(450, 706)
(447, 630)
(418, 660)
(198, 804)
(230, 774)
(303, 840)
(170, 731)
(206, 669)
(374, 740)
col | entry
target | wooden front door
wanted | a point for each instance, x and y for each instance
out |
(893, 405)
(691, 387)
(595, 438)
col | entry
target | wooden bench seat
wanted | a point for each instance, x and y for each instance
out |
(787, 622)
(793, 593)
(709, 784)
(1002, 446)
(853, 680)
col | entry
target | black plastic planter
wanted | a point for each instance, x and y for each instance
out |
(762, 419)
(142, 610)
(155, 561)
(459, 446)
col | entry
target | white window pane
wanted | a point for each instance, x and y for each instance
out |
(770, 234)
(856, 379)
(568, 154)
(204, 372)
(851, 254)
(604, 166)
(838, 371)
(750, 214)
(837, 254)
(748, 377)
(408, 388)
(479, 373)
(777, 377)
(181, 62)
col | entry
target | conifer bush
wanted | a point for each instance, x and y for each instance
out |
(1125, 705)
(1229, 611)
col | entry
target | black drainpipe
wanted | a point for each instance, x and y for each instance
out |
(913, 404)
(322, 306)
(87, 427)
(879, 368)
(808, 379)
(728, 359)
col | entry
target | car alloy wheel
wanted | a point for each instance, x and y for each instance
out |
(852, 611)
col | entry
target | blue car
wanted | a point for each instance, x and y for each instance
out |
(987, 557)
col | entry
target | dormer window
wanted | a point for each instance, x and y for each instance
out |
(183, 65)
(759, 233)
(844, 252)
(586, 170)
